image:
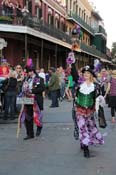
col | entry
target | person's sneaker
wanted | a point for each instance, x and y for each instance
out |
(28, 137)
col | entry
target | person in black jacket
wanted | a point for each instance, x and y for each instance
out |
(10, 90)
(36, 87)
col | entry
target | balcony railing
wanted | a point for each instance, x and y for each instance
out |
(56, 33)
(81, 22)
(102, 30)
(48, 29)
(92, 50)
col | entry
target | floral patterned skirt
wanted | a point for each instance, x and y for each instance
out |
(88, 131)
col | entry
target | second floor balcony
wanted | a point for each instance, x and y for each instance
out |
(93, 51)
(50, 30)
(102, 31)
(77, 19)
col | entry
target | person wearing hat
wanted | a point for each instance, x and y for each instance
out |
(85, 100)
(111, 90)
(33, 84)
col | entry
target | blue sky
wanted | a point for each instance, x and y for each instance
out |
(107, 11)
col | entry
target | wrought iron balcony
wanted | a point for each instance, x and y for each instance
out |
(102, 30)
(92, 50)
(56, 33)
(81, 22)
(48, 29)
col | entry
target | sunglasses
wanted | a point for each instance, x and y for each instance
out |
(18, 68)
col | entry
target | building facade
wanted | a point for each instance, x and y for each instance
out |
(41, 29)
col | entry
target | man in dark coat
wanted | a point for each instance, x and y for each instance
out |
(36, 86)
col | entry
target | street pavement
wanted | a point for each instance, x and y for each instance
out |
(55, 151)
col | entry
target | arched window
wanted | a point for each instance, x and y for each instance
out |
(80, 12)
(56, 20)
(84, 17)
(38, 9)
(62, 25)
(87, 19)
(76, 9)
(50, 13)
(74, 6)
(56, 23)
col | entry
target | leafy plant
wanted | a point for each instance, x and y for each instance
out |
(6, 18)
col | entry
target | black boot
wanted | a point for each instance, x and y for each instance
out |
(38, 132)
(81, 146)
(86, 151)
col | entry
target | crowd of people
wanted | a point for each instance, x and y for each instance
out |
(59, 84)
(11, 9)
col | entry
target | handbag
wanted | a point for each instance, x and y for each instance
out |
(101, 118)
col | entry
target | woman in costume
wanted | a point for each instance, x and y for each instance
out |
(86, 97)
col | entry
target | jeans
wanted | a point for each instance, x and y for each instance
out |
(62, 89)
(10, 100)
(54, 98)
